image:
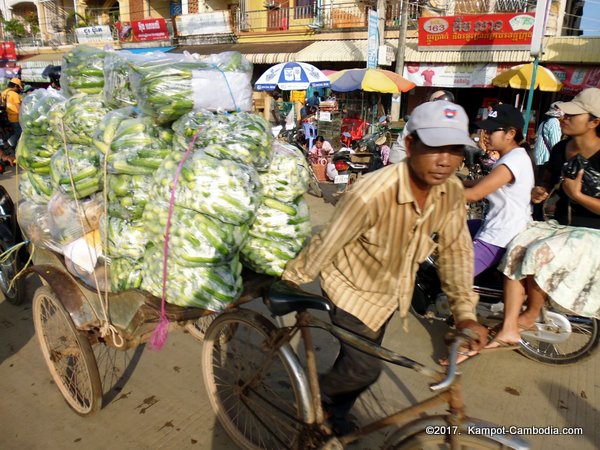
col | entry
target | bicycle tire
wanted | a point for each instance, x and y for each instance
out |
(585, 337)
(434, 432)
(423, 441)
(67, 352)
(259, 409)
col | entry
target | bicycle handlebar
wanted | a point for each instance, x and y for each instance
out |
(461, 338)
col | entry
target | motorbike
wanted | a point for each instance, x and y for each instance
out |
(358, 157)
(14, 256)
(559, 337)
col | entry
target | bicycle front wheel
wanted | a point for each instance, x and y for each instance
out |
(424, 441)
(251, 385)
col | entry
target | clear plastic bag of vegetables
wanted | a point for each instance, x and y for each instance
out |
(222, 189)
(125, 239)
(276, 236)
(288, 175)
(78, 167)
(194, 239)
(128, 195)
(33, 219)
(35, 187)
(82, 117)
(280, 221)
(108, 126)
(67, 222)
(33, 115)
(138, 147)
(35, 152)
(55, 119)
(242, 137)
(168, 86)
(268, 256)
(211, 287)
(125, 273)
(117, 89)
(82, 71)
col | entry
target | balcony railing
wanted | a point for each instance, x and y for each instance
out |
(333, 17)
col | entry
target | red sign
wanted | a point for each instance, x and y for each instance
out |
(8, 51)
(576, 78)
(143, 30)
(476, 32)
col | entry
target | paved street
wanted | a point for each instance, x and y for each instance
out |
(160, 402)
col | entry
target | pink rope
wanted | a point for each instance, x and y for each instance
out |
(159, 336)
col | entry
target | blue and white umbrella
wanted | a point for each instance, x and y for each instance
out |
(292, 76)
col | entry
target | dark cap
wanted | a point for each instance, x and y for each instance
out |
(502, 116)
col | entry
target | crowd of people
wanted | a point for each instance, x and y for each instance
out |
(368, 254)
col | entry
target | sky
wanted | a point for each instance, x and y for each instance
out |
(591, 18)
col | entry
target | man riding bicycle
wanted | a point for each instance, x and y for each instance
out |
(368, 255)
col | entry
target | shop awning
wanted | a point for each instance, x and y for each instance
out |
(257, 53)
(556, 49)
(356, 50)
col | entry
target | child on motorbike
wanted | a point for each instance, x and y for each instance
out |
(507, 187)
(559, 261)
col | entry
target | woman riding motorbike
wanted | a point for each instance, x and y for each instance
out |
(507, 187)
(545, 261)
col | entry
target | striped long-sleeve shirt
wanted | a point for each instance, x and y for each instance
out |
(550, 130)
(369, 253)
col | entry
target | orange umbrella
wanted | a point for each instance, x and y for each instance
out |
(371, 80)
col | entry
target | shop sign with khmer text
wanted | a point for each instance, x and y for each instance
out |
(476, 32)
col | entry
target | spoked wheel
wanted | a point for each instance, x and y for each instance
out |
(198, 328)
(67, 352)
(579, 344)
(424, 441)
(252, 389)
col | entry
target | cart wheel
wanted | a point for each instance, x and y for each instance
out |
(67, 352)
(198, 328)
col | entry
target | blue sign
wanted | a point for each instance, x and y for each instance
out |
(175, 8)
(373, 39)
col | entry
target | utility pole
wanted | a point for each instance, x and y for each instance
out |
(396, 100)
(381, 24)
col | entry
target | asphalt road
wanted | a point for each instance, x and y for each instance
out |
(158, 400)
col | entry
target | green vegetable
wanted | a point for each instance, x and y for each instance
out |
(242, 137)
(210, 287)
(222, 189)
(82, 71)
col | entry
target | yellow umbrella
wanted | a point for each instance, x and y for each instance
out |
(519, 77)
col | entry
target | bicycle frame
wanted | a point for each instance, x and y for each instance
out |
(450, 394)
(448, 386)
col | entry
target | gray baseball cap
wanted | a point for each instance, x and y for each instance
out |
(440, 123)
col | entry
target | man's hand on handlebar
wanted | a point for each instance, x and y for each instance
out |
(478, 338)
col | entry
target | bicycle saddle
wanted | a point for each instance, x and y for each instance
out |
(285, 297)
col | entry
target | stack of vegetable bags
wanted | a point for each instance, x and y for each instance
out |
(236, 196)
(214, 201)
(282, 222)
(37, 145)
(82, 71)
(135, 148)
(34, 151)
(167, 85)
